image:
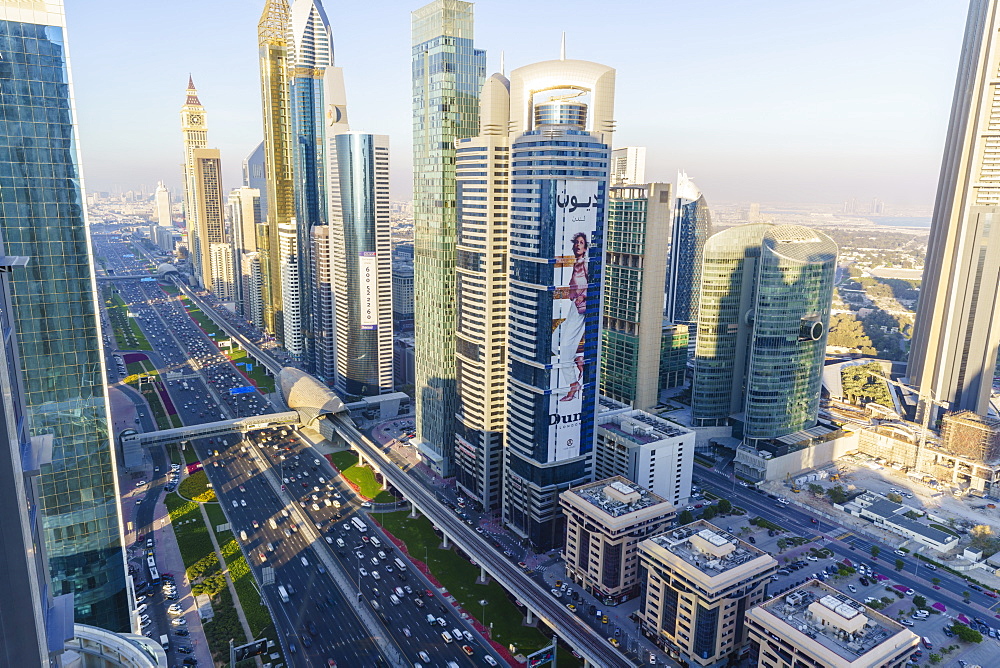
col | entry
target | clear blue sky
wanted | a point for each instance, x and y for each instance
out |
(775, 100)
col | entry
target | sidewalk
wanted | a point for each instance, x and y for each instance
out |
(168, 555)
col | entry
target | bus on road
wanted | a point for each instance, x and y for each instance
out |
(359, 525)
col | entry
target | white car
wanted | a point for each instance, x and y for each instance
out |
(142, 608)
(363, 572)
(236, 504)
(178, 621)
(489, 660)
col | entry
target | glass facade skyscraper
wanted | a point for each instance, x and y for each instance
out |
(765, 306)
(635, 263)
(273, 32)
(692, 228)
(312, 53)
(448, 73)
(361, 249)
(54, 302)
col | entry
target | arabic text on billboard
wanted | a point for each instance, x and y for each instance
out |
(575, 224)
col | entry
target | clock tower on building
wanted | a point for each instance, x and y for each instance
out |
(195, 130)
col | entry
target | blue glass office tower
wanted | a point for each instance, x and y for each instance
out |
(312, 54)
(448, 73)
(561, 121)
(54, 301)
(692, 228)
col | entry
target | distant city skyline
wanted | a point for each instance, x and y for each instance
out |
(787, 103)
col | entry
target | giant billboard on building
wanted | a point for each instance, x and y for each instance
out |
(576, 287)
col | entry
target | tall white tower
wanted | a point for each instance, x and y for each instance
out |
(162, 202)
(957, 330)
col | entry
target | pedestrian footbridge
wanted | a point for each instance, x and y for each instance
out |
(308, 399)
(211, 429)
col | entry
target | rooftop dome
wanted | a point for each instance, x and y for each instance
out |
(166, 268)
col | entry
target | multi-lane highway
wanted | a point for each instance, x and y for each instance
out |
(552, 612)
(321, 620)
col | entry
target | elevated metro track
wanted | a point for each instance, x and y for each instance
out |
(539, 601)
(591, 645)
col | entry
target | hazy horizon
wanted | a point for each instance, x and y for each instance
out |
(784, 102)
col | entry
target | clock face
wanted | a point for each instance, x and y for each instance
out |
(194, 119)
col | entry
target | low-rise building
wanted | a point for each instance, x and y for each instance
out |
(815, 625)
(605, 520)
(699, 583)
(891, 516)
(648, 450)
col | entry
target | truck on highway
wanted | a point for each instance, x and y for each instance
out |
(359, 525)
(282, 593)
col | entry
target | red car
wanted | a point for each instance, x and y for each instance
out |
(428, 593)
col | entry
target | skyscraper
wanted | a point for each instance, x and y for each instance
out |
(692, 228)
(215, 272)
(953, 355)
(245, 214)
(362, 265)
(273, 32)
(311, 53)
(561, 124)
(162, 202)
(628, 166)
(448, 73)
(54, 302)
(635, 265)
(194, 125)
(482, 170)
(766, 295)
(30, 621)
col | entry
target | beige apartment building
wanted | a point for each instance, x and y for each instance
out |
(815, 625)
(605, 520)
(700, 582)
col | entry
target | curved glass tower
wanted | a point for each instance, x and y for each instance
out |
(790, 318)
(765, 303)
(692, 228)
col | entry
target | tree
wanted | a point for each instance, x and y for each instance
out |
(966, 595)
(934, 658)
(709, 513)
(935, 581)
(966, 634)
(782, 544)
(875, 551)
(984, 539)
(899, 564)
(919, 601)
(895, 498)
(816, 489)
(724, 506)
(685, 517)
(836, 494)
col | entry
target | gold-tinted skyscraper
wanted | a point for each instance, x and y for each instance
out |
(273, 35)
(194, 125)
(957, 330)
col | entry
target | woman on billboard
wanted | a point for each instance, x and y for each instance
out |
(568, 336)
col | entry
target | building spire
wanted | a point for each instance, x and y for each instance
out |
(192, 92)
(503, 68)
(562, 47)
